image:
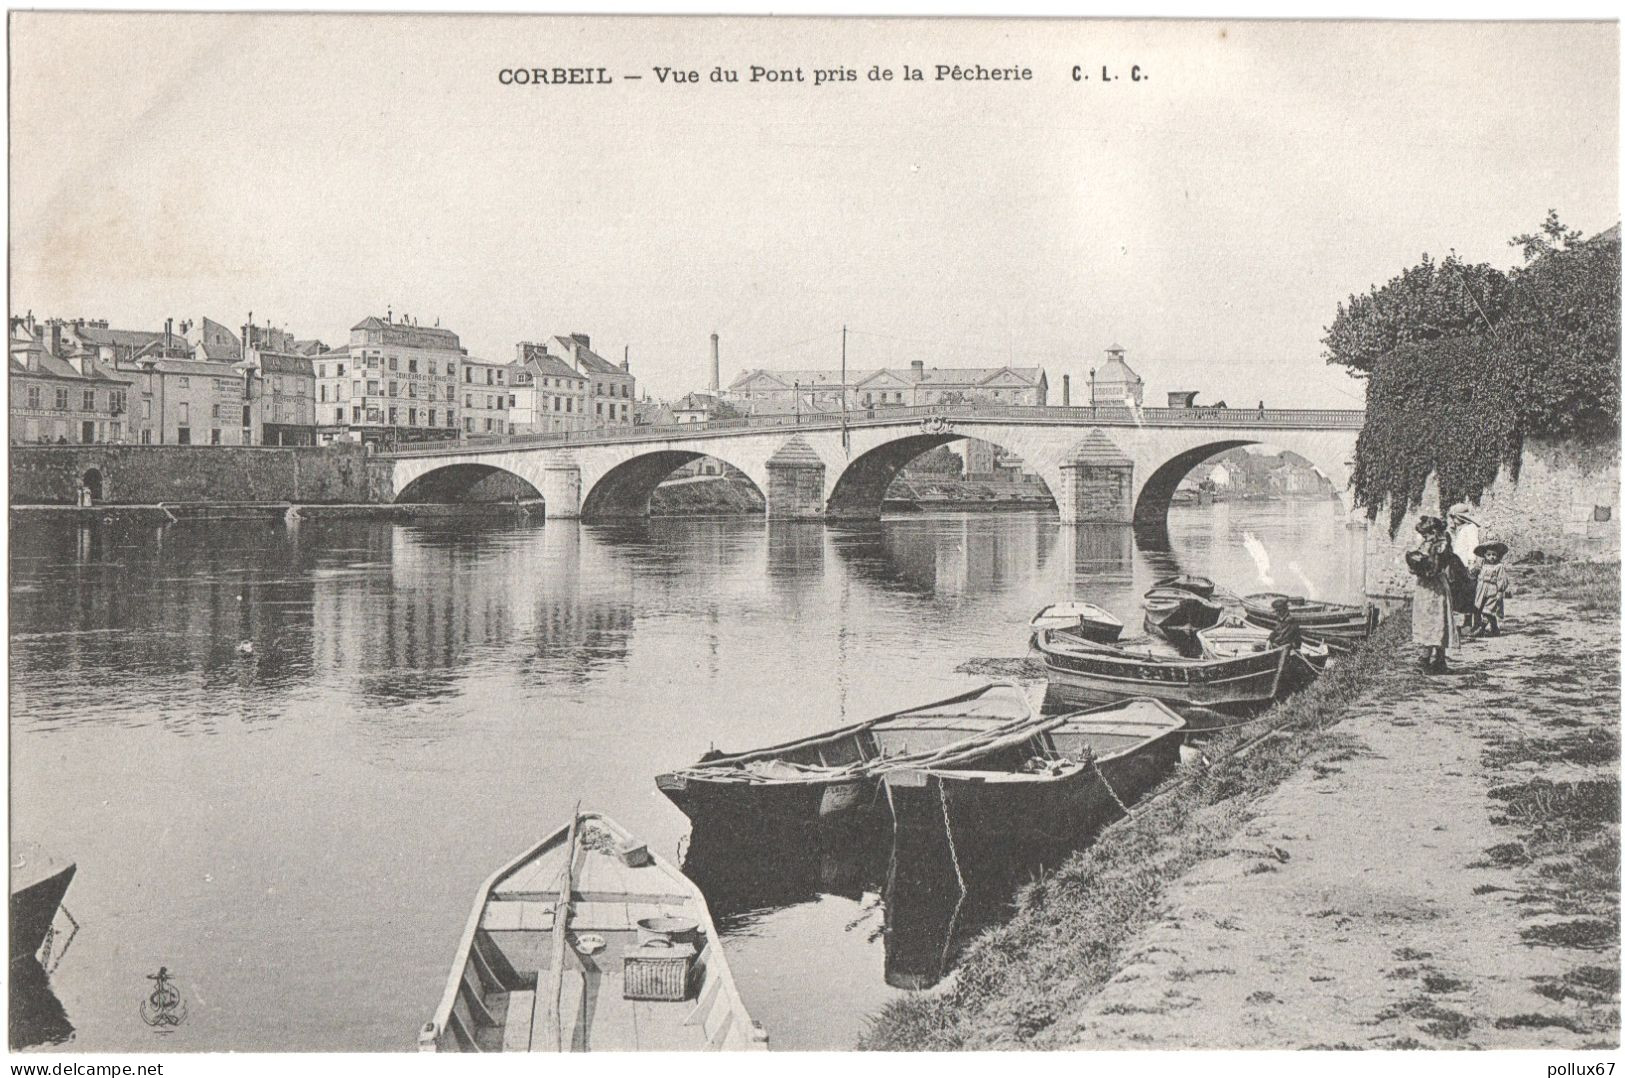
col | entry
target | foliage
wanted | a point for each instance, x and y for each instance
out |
(1457, 398)
(939, 461)
(1426, 302)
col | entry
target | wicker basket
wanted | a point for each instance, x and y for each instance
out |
(657, 972)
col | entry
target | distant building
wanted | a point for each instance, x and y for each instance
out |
(545, 394)
(394, 382)
(1182, 398)
(652, 413)
(484, 392)
(611, 388)
(113, 347)
(178, 401)
(1115, 382)
(701, 408)
(54, 399)
(763, 391)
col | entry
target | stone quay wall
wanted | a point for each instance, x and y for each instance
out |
(149, 474)
(1564, 502)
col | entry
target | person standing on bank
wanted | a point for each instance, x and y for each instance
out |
(1287, 632)
(1494, 585)
(1433, 619)
(1464, 540)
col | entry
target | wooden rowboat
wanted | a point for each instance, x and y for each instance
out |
(1340, 626)
(1233, 641)
(1082, 672)
(1062, 783)
(589, 943)
(1196, 585)
(836, 774)
(1086, 619)
(1178, 613)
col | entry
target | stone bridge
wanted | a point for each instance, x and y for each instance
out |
(1102, 464)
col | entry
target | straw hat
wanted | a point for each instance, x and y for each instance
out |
(1496, 545)
(1462, 510)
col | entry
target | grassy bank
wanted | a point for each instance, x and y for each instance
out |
(1069, 932)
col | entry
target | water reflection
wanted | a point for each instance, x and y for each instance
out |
(417, 702)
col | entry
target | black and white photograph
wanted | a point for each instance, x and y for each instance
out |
(722, 533)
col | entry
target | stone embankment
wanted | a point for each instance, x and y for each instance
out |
(1414, 862)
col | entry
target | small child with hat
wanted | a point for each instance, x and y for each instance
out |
(1494, 585)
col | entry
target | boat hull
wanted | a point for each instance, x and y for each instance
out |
(33, 909)
(767, 806)
(1061, 811)
(1222, 684)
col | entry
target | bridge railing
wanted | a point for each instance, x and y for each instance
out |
(891, 415)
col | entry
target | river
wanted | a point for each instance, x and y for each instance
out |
(284, 760)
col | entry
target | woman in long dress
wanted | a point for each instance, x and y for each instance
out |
(1464, 542)
(1433, 622)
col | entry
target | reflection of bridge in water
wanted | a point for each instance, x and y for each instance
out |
(1101, 464)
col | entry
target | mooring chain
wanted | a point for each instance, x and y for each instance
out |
(953, 855)
(1094, 763)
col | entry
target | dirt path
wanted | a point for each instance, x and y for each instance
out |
(1445, 877)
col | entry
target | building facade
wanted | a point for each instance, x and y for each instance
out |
(611, 389)
(545, 394)
(177, 401)
(395, 381)
(1115, 383)
(56, 400)
(761, 391)
(484, 391)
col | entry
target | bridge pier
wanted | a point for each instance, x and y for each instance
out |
(561, 488)
(1097, 484)
(795, 483)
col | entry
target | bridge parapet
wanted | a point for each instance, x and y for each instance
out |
(1045, 415)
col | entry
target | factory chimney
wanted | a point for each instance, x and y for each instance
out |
(716, 367)
(1066, 391)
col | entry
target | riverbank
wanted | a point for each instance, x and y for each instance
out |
(1411, 862)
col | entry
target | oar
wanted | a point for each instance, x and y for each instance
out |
(561, 914)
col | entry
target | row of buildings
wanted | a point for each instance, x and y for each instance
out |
(200, 383)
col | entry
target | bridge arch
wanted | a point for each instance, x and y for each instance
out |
(860, 489)
(1154, 492)
(468, 482)
(626, 488)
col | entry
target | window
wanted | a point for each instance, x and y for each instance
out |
(33, 396)
(394, 363)
(431, 368)
(490, 401)
(487, 426)
(490, 376)
(468, 374)
(215, 412)
(62, 400)
(468, 400)
(555, 404)
(411, 366)
(115, 431)
(392, 417)
(355, 414)
(600, 407)
(322, 392)
(116, 401)
(146, 437)
(394, 389)
(276, 383)
(411, 417)
(431, 417)
(341, 370)
(412, 390)
(499, 377)
(183, 435)
(146, 411)
(338, 414)
(372, 388)
(90, 400)
(468, 425)
(214, 436)
(569, 404)
(512, 399)
(186, 414)
(183, 382)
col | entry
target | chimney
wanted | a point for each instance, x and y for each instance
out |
(582, 339)
(56, 338)
(919, 367)
(716, 366)
(169, 329)
(626, 359)
(1066, 390)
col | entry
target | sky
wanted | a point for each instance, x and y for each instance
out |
(1208, 217)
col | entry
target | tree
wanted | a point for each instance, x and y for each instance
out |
(1456, 401)
(1426, 302)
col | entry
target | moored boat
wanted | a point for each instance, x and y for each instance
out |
(37, 886)
(1196, 585)
(587, 942)
(1064, 781)
(836, 774)
(1086, 619)
(1233, 641)
(1340, 626)
(1082, 672)
(1178, 613)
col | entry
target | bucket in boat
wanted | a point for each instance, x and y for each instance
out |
(668, 930)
